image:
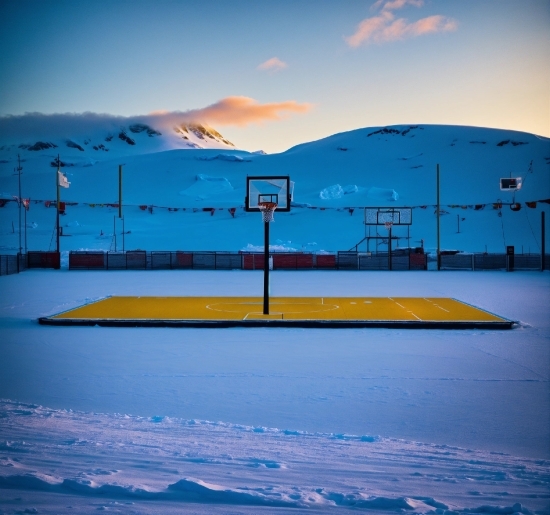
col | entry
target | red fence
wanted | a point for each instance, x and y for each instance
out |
(209, 260)
(37, 259)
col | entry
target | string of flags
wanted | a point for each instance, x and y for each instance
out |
(514, 206)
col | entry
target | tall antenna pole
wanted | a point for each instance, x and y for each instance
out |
(57, 202)
(19, 199)
(120, 204)
(438, 234)
(543, 243)
(120, 191)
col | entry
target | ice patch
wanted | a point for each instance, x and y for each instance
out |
(206, 186)
(336, 191)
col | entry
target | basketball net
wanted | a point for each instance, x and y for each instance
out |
(267, 209)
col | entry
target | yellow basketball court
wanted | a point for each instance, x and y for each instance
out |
(411, 312)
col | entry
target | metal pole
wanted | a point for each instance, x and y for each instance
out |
(266, 268)
(57, 202)
(19, 201)
(438, 234)
(543, 245)
(389, 251)
(25, 230)
(368, 241)
(120, 191)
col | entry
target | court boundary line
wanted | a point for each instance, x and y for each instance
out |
(282, 323)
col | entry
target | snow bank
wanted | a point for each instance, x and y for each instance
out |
(160, 460)
(206, 186)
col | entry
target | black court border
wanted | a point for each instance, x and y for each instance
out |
(306, 324)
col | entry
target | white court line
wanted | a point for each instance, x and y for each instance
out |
(262, 314)
(408, 311)
(396, 303)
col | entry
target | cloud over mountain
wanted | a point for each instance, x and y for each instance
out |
(235, 111)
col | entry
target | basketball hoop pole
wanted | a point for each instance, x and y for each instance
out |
(266, 268)
(389, 249)
(438, 255)
(266, 194)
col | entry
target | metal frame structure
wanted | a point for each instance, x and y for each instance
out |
(388, 216)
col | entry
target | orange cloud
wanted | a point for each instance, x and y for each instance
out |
(385, 27)
(394, 5)
(238, 111)
(369, 29)
(274, 64)
(435, 23)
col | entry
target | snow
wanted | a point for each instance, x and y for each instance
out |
(206, 186)
(274, 421)
(379, 167)
(253, 421)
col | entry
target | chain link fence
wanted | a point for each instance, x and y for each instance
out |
(211, 260)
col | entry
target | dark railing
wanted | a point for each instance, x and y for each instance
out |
(12, 263)
(399, 260)
(487, 261)
(210, 260)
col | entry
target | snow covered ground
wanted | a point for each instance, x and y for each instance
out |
(274, 420)
(193, 199)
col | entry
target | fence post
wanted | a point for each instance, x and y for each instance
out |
(510, 258)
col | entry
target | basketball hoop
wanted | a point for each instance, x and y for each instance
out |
(388, 225)
(267, 209)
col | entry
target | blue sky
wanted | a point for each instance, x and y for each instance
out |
(328, 66)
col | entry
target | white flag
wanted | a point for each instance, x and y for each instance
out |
(63, 182)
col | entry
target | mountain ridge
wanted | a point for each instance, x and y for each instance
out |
(175, 199)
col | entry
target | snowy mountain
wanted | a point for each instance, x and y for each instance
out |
(107, 140)
(193, 200)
